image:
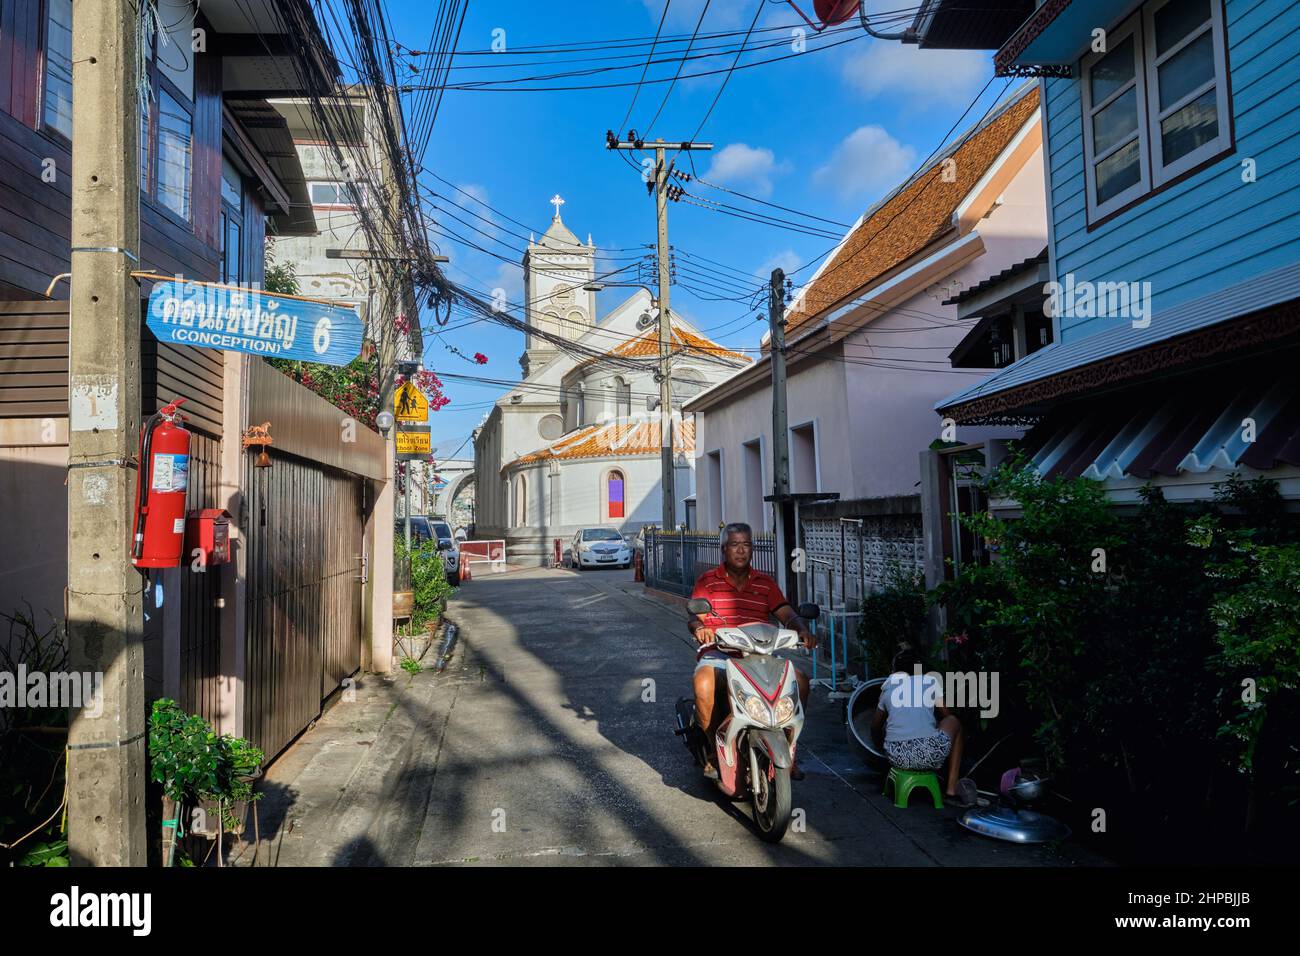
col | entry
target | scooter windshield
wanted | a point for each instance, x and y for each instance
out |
(751, 637)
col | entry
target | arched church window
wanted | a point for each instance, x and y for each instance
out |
(521, 501)
(577, 325)
(550, 323)
(622, 398)
(615, 489)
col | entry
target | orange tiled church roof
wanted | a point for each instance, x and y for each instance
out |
(646, 345)
(618, 438)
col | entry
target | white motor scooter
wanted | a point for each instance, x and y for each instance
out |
(755, 743)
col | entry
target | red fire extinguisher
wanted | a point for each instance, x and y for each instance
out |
(159, 537)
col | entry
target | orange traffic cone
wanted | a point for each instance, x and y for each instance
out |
(465, 574)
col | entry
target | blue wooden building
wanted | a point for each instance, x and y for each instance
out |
(1173, 261)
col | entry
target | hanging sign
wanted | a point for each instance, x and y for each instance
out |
(413, 444)
(409, 404)
(249, 320)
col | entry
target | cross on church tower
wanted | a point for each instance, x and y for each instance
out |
(557, 202)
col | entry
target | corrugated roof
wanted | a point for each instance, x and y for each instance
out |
(1010, 272)
(625, 437)
(914, 217)
(1221, 306)
(1192, 429)
(969, 24)
(269, 131)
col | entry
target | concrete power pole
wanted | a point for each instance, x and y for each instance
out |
(780, 417)
(106, 754)
(662, 175)
(667, 479)
(780, 427)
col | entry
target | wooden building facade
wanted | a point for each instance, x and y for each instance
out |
(219, 173)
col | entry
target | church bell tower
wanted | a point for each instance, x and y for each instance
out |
(556, 305)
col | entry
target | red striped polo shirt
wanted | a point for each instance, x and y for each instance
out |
(753, 603)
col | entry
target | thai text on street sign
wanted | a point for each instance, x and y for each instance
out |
(409, 404)
(234, 319)
(413, 443)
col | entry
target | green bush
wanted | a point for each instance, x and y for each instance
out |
(891, 617)
(1055, 563)
(195, 765)
(1123, 642)
(428, 579)
(1258, 634)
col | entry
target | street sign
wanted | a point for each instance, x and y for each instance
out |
(413, 443)
(409, 404)
(235, 319)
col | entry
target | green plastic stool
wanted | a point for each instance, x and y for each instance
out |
(904, 782)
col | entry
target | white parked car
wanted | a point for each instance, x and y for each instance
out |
(599, 548)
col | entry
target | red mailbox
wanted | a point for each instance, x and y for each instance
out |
(207, 530)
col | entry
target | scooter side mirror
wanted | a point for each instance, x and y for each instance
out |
(809, 612)
(699, 606)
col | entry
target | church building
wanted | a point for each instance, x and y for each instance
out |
(576, 444)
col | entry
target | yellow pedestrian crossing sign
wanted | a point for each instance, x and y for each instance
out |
(409, 404)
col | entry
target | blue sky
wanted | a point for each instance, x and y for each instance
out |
(826, 132)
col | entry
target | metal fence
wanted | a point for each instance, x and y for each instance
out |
(674, 559)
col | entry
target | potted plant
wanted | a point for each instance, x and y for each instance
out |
(198, 768)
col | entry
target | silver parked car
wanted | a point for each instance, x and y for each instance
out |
(599, 548)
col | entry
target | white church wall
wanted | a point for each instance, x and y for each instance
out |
(576, 497)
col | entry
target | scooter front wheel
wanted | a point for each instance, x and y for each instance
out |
(771, 799)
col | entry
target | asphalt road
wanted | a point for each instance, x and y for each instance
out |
(548, 740)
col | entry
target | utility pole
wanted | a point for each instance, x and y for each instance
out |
(780, 417)
(106, 754)
(780, 425)
(659, 185)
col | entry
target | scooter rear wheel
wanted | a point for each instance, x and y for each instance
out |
(771, 799)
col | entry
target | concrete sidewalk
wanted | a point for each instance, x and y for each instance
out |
(548, 740)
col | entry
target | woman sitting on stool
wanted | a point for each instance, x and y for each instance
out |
(909, 704)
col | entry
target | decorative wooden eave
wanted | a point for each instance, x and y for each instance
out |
(1232, 339)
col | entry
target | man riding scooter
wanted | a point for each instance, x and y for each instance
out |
(740, 594)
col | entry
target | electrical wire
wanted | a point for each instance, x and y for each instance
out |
(504, 85)
(681, 62)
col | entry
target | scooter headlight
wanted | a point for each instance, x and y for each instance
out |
(757, 710)
(784, 709)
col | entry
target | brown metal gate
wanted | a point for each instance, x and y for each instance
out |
(304, 533)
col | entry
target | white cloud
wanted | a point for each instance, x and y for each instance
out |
(914, 76)
(744, 166)
(509, 277)
(787, 260)
(868, 161)
(480, 193)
